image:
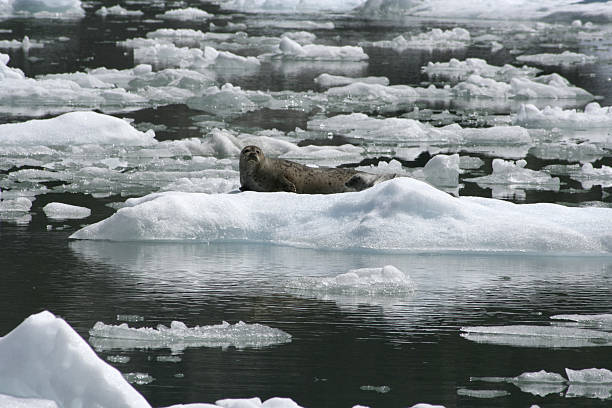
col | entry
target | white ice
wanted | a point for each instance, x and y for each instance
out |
(65, 211)
(328, 81)
(508, 172)
(117, 10)
(482, 393)
(537, 336)
(45, 358)
(593, 116)
(290, 49)
(24, 44)
(42, 8)
(185, 14)
(604, 319)
(178, 336)
(8, 401)
(436, 39)
(589, 376)
(457, 70)
(442, 170)
(74, 128)
(291, 6)
(566, 58)
(401, 214)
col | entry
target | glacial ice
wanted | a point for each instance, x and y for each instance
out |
(45, 358)
(65, 211)
(456, 70)
(566, 58)
(537, 336)
(402, 214)
(185, 14)
(507, 172)
(436, 39)
(589, 376)
(290, 49)
(63, 9)
(74, 128)
(593, 116)
(117, 10)
(603, 319)
(442, 170)
(291, 6)
(178, 336)
(329, 81)
(482, 393)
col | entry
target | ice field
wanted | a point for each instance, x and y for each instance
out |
(135, 273)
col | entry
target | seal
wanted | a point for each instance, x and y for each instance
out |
(260, 173)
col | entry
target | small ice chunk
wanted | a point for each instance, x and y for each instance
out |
(482, 393)
(593, 116)
(65, 211)
(442, 170)
(539, 377)
(19, 204)
(424, 405)
(118, 359)
(328, 81)
(138, 378)
(436, 39)
(185, 14)
(381, 389)
(129, 318)
(589, 376)
(290, 49)
(169, 359)
(456, 70)
(508, 172)
(604, 319)
(117, 10)
(566, 58)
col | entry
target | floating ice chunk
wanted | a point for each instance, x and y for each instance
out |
(65, 211)
(138, 378)
(45, 358)
(482, 393)
(301, 37)
(16, 402)
(185, 14)
(508, 172)
(7, 72)
(117, 10)
(436, 39)
(589, 376)
(290, 49)
(178, 336)
(564, 59)
(537, 336)
(424, 405)
(43, 8)
(19, 204)
(291, 6)
(232, 27)
(118, 359)
(599, 391)
(442, 170)
(81, 78)
(461, 70)
(604, 319)
(594, 116)
(385, 281)
(25, 44)
(169, 359)
(539, 377)
(539, 383)
(381, 389)
(328, 81)
(375, 218)
(74, 128)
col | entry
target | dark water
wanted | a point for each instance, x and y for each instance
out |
(411, 344)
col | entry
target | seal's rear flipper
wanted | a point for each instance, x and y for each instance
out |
(361, 181)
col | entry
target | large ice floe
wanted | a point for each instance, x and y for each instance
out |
(538, 336)
(290, 49)
(507, 172)
(42, 8)
(457, 70)
(436, 39)
(44, 363)
(399, 215)
(45, 358)
(593, 116)
(178, 336)
(566, 58)
(291, 6)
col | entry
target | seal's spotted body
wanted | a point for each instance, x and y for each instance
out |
(259, 173)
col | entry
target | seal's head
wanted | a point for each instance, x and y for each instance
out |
(251, 154)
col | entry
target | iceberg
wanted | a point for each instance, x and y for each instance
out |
(185, 14)
(589, 376)
(45, 358)
(436, 39)
(117, 10)
(290, 49)
(65, 211)
(178, 336)
(566, 58)
(593, 116)
(456, 70)
(402, 215)
(329, 81)
(74, 128)
(508, 172)
(442, 170)
(537, 336)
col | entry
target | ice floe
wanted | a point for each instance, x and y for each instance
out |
(185, 14)
(117, 10)
(290, 49)
(65, 211)
(508, 172)
(442, 170)
(593, 116)
(291, 6)
(603, 319)
(328, 81)
(24, 44)
(45, 358)
(456, 70)
(375, 219)
(537, 336)
(566, 58)
(63, 9)
(436, 39)
(465, 392)
(178, 336)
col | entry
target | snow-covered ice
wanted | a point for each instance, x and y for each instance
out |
(566, 58)
(400, 215)
(45, 358)
(178, 336)
(436, 39)
(537, 336)
(65, 211)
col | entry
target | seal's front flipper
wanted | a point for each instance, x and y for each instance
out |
(287, 185)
